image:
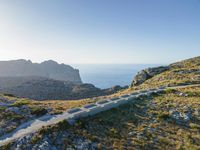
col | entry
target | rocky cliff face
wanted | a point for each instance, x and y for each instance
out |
(148, 73)
(49, 69)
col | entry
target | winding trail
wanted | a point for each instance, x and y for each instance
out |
(46, 120)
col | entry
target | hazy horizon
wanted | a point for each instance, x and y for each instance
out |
(109, 75)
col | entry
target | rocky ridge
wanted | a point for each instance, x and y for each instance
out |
(148, 73)
(41, 88)
(179, 73)
(48, 69)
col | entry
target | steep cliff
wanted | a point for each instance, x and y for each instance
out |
(49, 69)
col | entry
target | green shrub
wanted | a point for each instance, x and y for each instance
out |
(20, 103)
(44, 130)
(163, 115)
(35, 139)
(113, 132)
(9, 95)
(194, 126)
(164, 141)
(2, 108)
(170, 90)
(63, 125)
(38, 111)
(6, 147)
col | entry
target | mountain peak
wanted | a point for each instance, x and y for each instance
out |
(51, 62)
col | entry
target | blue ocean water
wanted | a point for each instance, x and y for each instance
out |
(108, 75)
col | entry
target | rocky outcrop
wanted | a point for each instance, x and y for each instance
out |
(148, 73)
(41, 88)
(49, 69)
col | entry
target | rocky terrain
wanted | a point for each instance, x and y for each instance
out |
(180, 73)
(41, 88)
(168, 120)
(15, 111)
(148, 73)
(46, 81)
(49, 69)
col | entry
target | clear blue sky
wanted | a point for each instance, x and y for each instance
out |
(100, 31)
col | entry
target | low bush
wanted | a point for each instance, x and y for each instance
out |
(9, 95)
(2, 108)
(194, 126)
(163, 115)
(20, 103)
(36, 139)
(63, 125)
(38, 111)
(170, 90)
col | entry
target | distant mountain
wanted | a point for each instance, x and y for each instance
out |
(49, 69)
(42, 88)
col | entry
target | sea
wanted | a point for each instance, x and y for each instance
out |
(108, 75)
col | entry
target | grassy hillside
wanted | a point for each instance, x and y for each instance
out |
(167, 121)
(180, 73)
(15, 111)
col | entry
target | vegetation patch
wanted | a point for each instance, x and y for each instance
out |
(21, 103)
(163, 115)
(38, 111)
(144, 124)
(9, 95)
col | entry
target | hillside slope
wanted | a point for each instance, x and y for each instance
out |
(41, 88)
(179, 73)
(170, 120)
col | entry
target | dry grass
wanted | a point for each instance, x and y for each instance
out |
(141, 125)
(60, 106)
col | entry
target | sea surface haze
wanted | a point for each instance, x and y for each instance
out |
(108, 75)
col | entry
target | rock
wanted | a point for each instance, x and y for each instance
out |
(180, 116)
(139, 135)
(185, 117)
(14, 109)
(49, 69)
(45, 144)
(131, 133)
(185, 71)
(181, 94)
(148, 73)
(25, 109)
(71, 121)
(41, 88)
(22, 143)
(4, 104)
(197, 112)
(82, 145)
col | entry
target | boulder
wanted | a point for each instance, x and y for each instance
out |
(148, 73)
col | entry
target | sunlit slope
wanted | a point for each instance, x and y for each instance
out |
(180, 73)
(166, 121)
